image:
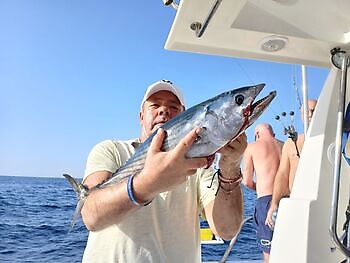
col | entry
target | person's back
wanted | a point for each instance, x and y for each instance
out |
(266, 154)
(262, 157)
(292, 150)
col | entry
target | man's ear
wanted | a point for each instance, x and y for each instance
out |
(140, 116)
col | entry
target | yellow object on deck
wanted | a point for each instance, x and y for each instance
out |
(206, 234)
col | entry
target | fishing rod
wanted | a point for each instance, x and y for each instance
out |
(289, 129)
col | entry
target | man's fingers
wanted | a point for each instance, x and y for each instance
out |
(185, 144)
(269, 222)
(240, 143)
(157, 141)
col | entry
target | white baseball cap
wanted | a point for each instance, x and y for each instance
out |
(160, 85)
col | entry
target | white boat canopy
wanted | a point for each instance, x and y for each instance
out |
(288, 31)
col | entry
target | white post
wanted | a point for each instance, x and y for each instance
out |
(305, 99)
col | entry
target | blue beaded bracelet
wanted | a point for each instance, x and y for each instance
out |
(131, 194)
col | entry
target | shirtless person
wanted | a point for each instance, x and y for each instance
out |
(287, 169)
(262, 157)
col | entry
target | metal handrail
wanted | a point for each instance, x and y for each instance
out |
(337, 159)
(198, 27)
(233, 240)
(171, 3)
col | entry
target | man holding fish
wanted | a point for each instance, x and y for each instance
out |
(141, 198)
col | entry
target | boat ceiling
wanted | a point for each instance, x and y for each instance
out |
(308, 29)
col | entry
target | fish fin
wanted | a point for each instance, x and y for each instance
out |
(73, 182)
(82, 192)
(77, 213)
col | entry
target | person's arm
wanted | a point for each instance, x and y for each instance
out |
(248, 168)
(161, 172)
(225, 213)
(281, 183)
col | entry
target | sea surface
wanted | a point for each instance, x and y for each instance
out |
(35, 216)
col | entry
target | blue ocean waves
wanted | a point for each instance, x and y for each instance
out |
(35, 216)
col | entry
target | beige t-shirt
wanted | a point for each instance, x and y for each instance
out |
(167, 230)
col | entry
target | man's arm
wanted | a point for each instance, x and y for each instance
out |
(281, 183)
(107, 206)
(162, 171)
(225, 213)
(248, 168)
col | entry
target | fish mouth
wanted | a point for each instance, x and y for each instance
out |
(258, 107)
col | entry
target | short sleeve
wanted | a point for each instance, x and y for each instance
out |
(105, 156)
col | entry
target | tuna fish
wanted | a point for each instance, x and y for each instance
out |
(221, 119)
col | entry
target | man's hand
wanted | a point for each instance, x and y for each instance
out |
(269, 221)
(165, 170)
(231, 155)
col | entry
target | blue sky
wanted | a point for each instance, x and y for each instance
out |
(73, 73)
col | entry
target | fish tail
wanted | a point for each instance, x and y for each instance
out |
(82, 192)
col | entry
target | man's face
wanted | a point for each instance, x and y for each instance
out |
(312, 106)
(157, 110)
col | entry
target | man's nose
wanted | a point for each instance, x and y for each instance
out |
(164, 110)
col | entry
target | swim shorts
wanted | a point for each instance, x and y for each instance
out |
(263, 232)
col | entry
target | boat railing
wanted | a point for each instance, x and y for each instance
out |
(233, 240)
(344, 56)
(198, 27)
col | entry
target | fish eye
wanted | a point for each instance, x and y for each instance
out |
(239, 99)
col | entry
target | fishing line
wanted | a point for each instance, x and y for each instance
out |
(280, 120)
(290, 129)
(299, 99)
(275, 115)
(296, 88)
(280, 105)
(267, 70)
(287, 129)
(278, 101)
(253, 82)
(245, 72)
(269, 109)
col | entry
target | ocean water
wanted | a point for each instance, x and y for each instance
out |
(35, 215)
